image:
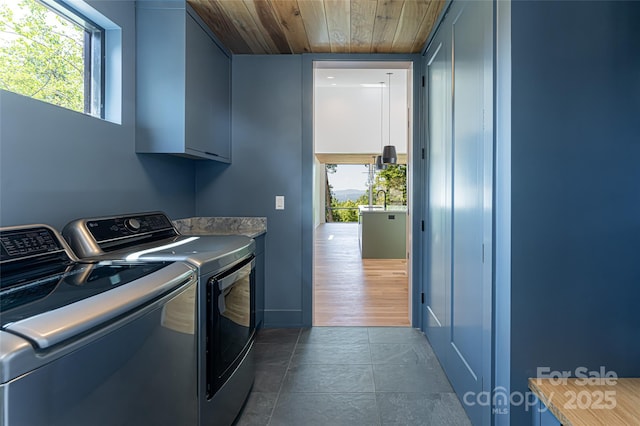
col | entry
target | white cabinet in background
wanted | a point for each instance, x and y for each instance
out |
(183, 87)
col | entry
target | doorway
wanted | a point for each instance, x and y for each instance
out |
(359, 107)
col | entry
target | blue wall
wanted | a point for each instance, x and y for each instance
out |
(272, 134)
(57, 165)
(575, 165)
(267, 161)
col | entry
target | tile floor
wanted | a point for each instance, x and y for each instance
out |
(355, 376)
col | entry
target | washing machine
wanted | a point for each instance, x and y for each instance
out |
(224, 300)
(93, 342)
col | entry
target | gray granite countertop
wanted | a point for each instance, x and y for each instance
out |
(249, 226)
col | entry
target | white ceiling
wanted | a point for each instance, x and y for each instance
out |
(357, 77)
(350, 118)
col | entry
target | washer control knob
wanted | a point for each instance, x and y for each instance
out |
(132, 224)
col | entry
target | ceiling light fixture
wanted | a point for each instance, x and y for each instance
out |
(389, 155)
(379, 164)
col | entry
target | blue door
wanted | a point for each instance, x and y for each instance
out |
(467, 287)
(437, 249)
(458, 272)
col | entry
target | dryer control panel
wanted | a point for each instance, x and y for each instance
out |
(97, 236)
(124, 226)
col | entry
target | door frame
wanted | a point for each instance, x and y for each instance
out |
(416, 194)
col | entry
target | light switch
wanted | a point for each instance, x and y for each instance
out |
(279, 202)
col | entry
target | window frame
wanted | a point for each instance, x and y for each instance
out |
(93, 52)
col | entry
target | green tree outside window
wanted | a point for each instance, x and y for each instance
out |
(393, 180)
(41, 54)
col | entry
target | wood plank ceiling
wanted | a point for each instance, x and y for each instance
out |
(320, 26)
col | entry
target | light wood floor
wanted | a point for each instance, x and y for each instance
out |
(351, 291)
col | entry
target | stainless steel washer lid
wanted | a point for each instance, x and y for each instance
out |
(34, 341)
(210, 253)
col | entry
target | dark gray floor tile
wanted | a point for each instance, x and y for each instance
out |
(268, 378)
(449, 411)
(273, 353)
(278, 335)
(257, 410)
(331, 354)
(395, 335)
(401, 353)
(334, 335)
(320, 409)
(426, 348)
(410, 378)
(410, 409)
(328, 378)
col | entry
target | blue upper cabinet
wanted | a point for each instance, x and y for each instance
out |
(183, 87)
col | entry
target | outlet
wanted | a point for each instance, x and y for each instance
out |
(279, 202)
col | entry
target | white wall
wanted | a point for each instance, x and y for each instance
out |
(319, 188)
(347, 117)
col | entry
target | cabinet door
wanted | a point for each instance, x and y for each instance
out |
(542, 416)
(160, 75)
(208, 96)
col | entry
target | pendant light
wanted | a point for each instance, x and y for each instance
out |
(379, 164)
(389, 155)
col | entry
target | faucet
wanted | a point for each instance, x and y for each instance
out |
(385, 197)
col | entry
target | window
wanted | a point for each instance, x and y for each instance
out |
(50, 52)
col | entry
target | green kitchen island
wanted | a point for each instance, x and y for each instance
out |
(382, 232)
